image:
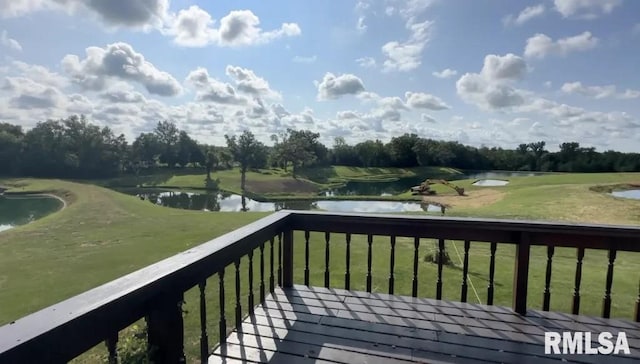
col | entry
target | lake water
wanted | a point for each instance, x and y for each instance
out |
(215, 201)
(634, 194)
(402, 185)
(21, 210)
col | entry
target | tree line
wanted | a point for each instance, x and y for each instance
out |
(76, 148)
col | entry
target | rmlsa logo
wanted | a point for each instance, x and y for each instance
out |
(580, 343)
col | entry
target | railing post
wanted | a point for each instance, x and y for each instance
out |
(287, 259)
(521, 274)
(166, 330)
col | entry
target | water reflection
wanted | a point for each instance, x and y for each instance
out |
(633, 194)
(216, 201)
(402, 185)
(21, 210)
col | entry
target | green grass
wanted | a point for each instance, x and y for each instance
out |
(103, 235)
(270, 184)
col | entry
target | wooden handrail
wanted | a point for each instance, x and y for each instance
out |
(63, 331)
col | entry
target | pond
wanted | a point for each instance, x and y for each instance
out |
(633, 194)
(490, 182)
(21, 210)
(217, 201)
(402, 185)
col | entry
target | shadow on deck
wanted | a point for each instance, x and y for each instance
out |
(310, 324)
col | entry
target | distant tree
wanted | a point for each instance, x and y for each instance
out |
(301, 148)
(187, 150)
(401, 150)
(11, 138)
(248, 152)
(146, 149)
(168, 135)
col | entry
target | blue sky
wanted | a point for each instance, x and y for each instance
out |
(494, 73)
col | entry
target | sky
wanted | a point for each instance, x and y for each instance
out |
(481, 72)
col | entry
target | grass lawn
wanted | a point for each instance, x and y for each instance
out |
(276, 183)
(102, 235)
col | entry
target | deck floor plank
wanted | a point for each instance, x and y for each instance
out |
(311, 324)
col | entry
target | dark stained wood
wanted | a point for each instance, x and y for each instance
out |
(306, 257)
(271, 262)
(575, 307)
(440, 263)
(262, 288)
(85, 320)
(204, 336)
(287, 258)
(492, 273)
(465, 272)
(606, 302)
(112, 348)
(416, 255)
(280, 259)
(392, 263)
(592, 236)
(369, 260)
(327, 238)
(355, 327)
(637, 314)
(347, 273)
(236, 264)
(222, 323)
(165, 330)
(521, 274)
(250, 297)
(546, 294)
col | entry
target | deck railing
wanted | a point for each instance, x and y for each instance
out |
(65, 330)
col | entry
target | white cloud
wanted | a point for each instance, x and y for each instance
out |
(366, 62)
(530, 12)
(241, 27)
(10, 43)
(598, 92)
(361, 26)
(118, 61)
(113, 13)
(247, 82)
(445, 73)
(212, 90)
(333, 87)
(40, 73)
(427, 118)
(407, 56)
(194, 27)
(507, 67)
(541, 45)
(420, 100)
(492, 87)
(587, 9)
(302, 59)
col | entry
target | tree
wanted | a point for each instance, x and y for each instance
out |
(401, 150)
(11, 138)
(300, 147)
(187, 150)
(146, 149)
(168, 136)
(248, 152)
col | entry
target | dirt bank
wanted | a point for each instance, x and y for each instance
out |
(471, 199)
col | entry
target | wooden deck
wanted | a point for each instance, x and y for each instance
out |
(310, 324)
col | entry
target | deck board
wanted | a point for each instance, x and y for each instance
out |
(310, 324)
